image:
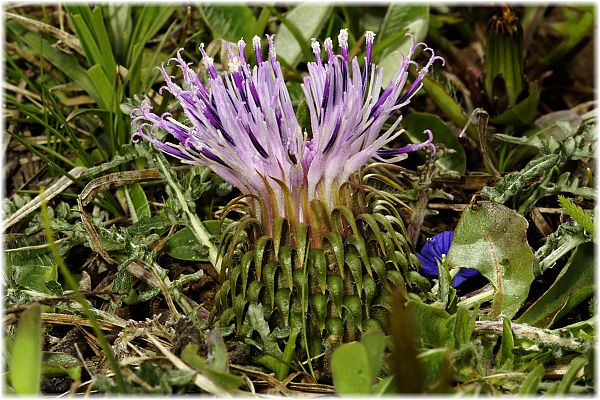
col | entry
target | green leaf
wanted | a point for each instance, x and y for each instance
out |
(416, 122)
(571, 375)
(447, 104)
(350, 369)
(492, 239)
(374, 342)
(505, 355)
(581, 217)
(512, 183)
(93, 36)
(66, 63)
(575, 24)
(231, 22)
(217, 376)
(522, 113)
(137, 202)
(184, 245)
(61, 364)
(504, 60)
(26, 357)
(532, 381)
(308, 19)
(429, 323)
(574, 284)
(401, 18)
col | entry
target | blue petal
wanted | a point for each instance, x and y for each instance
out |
(433, 250)
(442, 242)
(428, 266)
(463, 275)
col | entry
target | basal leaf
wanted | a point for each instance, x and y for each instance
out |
(522, 113)
(492, 239)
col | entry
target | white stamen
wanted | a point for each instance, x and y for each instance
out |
(256, 41)
(241, 43)
(234, 65)
(343, 38)
(207, 61)
(316, 47)
(328, 43)
(370, 36)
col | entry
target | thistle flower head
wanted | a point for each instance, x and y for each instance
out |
(242, 123)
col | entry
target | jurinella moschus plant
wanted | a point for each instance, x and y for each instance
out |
(317, 254)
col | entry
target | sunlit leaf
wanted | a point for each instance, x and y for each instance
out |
(492, 239)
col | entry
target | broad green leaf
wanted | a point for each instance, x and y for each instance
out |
(416, 122)
(429, 323)
(231, 22)
(350, 369)
(26, 357)
(184, 245)
(574, 284)
(401, 17)
(374, 342)
(436, 368)
(492, 238)
(103, 86)
(309, 19)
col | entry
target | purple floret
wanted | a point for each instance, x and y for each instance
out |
(242, 124)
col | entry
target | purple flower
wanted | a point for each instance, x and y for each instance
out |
(242, 124)
(433, 250)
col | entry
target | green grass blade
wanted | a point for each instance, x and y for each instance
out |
(26, 357)
(66, 63)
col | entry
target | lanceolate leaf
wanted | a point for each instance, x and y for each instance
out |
(308, 19)
(573, 285)
(492, 239)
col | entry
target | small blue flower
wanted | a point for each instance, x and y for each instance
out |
(433, 250)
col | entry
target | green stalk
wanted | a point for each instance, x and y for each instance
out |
(195, 224)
